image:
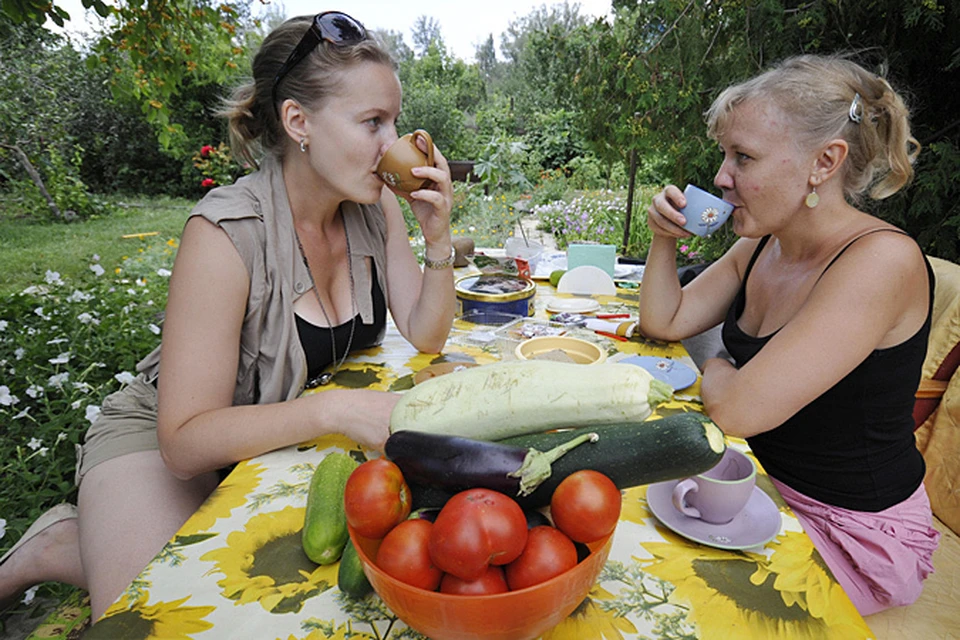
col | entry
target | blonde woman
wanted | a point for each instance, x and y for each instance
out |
(826, 313)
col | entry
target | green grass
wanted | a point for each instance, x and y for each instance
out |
(29, 249)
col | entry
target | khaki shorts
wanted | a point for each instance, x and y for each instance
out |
(127, 424)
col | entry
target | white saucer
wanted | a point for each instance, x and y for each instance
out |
(572, 305)
(756, 525)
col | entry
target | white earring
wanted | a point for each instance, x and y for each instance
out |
(812, 199)
(303, 144)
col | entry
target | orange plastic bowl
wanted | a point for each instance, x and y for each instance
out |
(516, 615)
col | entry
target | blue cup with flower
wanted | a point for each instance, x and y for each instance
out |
(705, 212)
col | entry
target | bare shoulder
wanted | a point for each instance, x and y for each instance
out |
(885, 252)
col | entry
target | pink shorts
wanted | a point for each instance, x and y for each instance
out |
(880, 559)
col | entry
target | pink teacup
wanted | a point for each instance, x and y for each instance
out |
(720, 493)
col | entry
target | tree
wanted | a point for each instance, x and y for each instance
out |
(426, 32)
(644, 81)
(393, 42)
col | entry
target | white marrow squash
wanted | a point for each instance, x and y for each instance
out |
(505, 399)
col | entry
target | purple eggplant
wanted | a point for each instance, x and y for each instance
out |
(456, 463)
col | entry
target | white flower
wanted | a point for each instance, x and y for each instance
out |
(86, 318)
(3, 325)
(92, 412)
(154, 329)
(7, 399)
(35, 443)
(39, 312)
(57, 341)
(166, 273)
(97, 270)
(96, 257)
(79, 296)
(3, 528)
(22, 414)
(29, 595)
(34, 391)
(82, 386)
(52, 277)
(61, 437)
(42, 451)
(57, 380)
(141, 282)
(34, 289)
(19, 352)
(76, 404)
(124, 377)
(63, 358)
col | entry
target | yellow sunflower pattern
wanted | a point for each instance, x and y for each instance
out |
(159, 621)
(237, 568)
(266, 563)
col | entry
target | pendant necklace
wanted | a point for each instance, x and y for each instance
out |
(327, 376)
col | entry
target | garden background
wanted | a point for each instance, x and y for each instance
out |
(106, 142)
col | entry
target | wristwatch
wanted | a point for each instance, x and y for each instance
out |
(439, 265)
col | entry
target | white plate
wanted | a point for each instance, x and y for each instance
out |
(573, 305)
(587, 280)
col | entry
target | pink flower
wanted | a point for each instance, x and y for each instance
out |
(205, 151)
(207, 183)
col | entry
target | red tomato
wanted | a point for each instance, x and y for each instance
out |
(477, 528)
(548, 553)
(492, 581)
(376, 498)
(404, 555)
(586, 506)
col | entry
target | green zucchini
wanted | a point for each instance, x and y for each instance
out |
(630, 454)
(510, 398)
(324, 532)
(350, 576)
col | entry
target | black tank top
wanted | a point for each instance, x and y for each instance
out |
(852, 447)
(316, 340)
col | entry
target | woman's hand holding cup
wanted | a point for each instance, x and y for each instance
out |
(413, 168)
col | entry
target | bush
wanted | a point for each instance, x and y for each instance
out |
(64, 345)
(594, 216)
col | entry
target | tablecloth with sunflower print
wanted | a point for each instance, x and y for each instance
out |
(236, 569)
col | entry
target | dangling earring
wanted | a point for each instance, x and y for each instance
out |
(812, 199)
(303, 144)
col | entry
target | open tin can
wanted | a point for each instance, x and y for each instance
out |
(495, 293)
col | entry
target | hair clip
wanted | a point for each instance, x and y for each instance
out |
(856, 109)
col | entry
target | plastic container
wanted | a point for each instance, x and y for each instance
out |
(528, 250)
(515, 615)
(518, 301)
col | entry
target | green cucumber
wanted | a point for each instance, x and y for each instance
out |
(630, 454)
(350, 577)
(324, 532)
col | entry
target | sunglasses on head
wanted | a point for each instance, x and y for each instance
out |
(330, 26)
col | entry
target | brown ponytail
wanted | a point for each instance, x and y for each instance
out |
(255, 129)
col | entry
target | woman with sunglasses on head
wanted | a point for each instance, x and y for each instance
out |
(278, 277)
(826, 312)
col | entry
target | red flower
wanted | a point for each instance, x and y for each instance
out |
(205, 151)
(207, 183)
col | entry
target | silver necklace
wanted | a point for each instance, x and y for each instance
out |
(327, 376)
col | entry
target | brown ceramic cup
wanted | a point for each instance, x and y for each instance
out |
(402, 156)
